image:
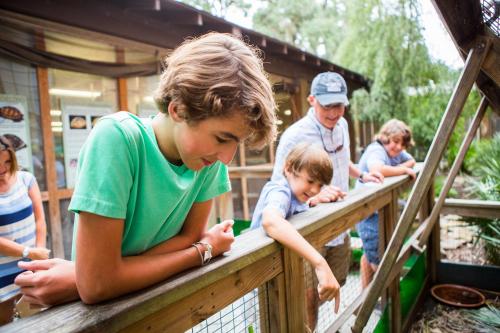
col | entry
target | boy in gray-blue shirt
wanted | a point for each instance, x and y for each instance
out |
(388, 156)
(307, 168)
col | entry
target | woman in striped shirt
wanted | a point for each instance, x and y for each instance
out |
(22, 225)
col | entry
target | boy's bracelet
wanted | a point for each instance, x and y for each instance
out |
(199, 252)
(207, 255)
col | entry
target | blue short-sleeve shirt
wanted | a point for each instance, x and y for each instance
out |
(277, 194)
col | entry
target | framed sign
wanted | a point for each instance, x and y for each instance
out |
(14, 125)
(78, 121)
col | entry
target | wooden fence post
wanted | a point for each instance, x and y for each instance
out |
(295, 291)
(273, 317)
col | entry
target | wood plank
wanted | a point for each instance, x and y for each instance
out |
(65, 193)
(276, 310)
(325, 234)
(438, 146)
(295, 291)
(191, 310)
(121, 84)
(472, 208)
(50, 162)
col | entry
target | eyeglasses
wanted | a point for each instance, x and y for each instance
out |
(329, 140)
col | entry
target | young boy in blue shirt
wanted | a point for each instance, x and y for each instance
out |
(387, 155)
(307, 168)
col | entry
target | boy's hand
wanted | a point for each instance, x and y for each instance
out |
(410, 172)
(220, 236)
(328, 286)
(328, 194)
(48, 282)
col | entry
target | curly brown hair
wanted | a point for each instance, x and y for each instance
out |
(216, 75)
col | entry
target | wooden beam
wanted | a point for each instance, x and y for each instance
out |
(295, 291)
(49, 155)
(455, 168)
(441, 139)
(207, 301)
(472, 208)
(276, 306)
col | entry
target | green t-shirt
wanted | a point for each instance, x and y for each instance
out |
(122, 174)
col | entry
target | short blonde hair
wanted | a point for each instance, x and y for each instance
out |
(394, 128)
(312, 158)
(215, 75)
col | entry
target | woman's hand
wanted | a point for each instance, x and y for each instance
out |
(328, 286)
(220, 236)
(38, 253)
(48, 282)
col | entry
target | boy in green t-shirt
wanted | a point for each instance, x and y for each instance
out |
(145, 188)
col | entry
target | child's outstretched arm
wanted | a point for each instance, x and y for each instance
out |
(389, 171)
(281, 230)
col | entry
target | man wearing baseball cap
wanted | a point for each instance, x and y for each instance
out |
(325, 125)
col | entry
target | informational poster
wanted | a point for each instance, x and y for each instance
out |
(146, 110)
(78, 121)
(14, 126)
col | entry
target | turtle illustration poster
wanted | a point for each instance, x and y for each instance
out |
(78, 120)
(14, 125)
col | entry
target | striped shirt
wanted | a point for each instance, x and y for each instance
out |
(335, 142)
(17, 223)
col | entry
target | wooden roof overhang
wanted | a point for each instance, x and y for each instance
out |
(165, 24)
(465, 22)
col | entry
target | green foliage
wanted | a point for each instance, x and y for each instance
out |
(438, 185)
(486, 166)
(220, 7)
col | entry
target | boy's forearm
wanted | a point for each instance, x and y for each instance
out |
(135, 273)
(409, 164)
(282, 231)
(175, 243)
(389, 171)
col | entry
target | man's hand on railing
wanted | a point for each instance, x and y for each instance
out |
(328, 286)
(328, 194)
(374, 177)
(220, 236)
(48, 282)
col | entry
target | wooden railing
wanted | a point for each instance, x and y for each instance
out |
(255, 261)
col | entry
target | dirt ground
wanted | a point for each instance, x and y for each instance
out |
(458, 242)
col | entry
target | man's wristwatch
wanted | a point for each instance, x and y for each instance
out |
(206, 255)
(26, 251)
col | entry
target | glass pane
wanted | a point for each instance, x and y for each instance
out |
(92, 96)
(255, 186)
(140, 95)
(18, 87)
(67, 221)
(237, 198)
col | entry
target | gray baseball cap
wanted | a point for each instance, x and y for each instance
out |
(329, 88)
